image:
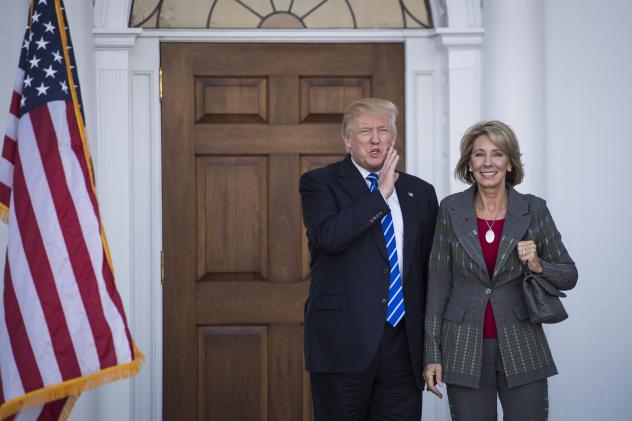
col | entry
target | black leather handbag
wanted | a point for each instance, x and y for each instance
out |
(542, 300)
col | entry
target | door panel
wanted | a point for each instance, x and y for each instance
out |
(241, 123)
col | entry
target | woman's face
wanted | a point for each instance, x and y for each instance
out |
(488, 163)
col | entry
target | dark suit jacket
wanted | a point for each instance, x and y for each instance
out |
(459, 289)
(346, 311)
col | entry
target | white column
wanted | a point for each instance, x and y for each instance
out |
(513, 82)
(462, 69)
(112, 161)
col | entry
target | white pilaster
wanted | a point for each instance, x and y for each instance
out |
(146, 187)
(462, 67)
(113, 170)
(424, 102)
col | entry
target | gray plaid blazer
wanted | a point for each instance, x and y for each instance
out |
(459, 289)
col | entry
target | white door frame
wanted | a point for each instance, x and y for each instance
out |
(442, 99)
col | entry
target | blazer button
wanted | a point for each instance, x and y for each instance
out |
(488, 291)
(384, 300)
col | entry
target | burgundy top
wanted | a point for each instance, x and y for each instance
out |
(490, 252)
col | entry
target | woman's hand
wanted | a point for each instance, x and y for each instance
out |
(528, 253)
(433, 375)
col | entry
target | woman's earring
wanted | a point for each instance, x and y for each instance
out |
(470, 169)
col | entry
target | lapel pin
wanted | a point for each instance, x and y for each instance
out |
(411, 194)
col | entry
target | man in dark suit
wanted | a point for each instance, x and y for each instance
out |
(370, 231)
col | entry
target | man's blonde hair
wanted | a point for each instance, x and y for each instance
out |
(368, 105)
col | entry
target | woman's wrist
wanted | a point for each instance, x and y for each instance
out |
(536, 266)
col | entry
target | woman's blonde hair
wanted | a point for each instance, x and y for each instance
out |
(503, 137)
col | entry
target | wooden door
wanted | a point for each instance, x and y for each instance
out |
(241, 122)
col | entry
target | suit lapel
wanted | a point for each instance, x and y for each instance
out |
(351, 179)
(353, 183)
(410, 216)
(463, 220)
(516, 224)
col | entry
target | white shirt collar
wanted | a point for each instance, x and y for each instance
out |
(362, 170)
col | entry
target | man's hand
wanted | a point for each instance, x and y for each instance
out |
(388, 176)
(433, 375)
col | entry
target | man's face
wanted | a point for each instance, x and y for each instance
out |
(369, 138)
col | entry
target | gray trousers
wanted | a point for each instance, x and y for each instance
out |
(529, 402)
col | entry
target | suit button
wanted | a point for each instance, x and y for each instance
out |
(384, 300)
(488, 291)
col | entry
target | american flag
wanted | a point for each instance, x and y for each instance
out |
(62, 324)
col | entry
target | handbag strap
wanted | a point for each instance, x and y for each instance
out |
(529, 200)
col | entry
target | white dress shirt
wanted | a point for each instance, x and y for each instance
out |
(396, 214)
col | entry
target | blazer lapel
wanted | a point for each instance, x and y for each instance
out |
(353, 183)
(516, 224)
(463, 220)
(351, 179)
(410, 216)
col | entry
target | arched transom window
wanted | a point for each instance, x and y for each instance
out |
(280, 14)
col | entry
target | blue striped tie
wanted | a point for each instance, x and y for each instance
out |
(395, 308)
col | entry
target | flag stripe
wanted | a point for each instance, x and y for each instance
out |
(28, 369)
(76, 145)
(115, 315)
(12, 386)
(1, 389)
(40, 268)
(55, 245)
(31, 414)
(27, 300)
(5, 194)
(6, 172)
(124, 343)
(73, 238)
(8, 150)
(11, 128)
(14, 109)
(19, 81)
(52, 410)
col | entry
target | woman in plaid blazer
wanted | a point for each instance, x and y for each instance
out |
(478, 337)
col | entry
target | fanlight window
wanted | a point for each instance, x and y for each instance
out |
(286, 14)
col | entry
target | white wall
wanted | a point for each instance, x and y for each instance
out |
(588, 142)
(581, 79)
